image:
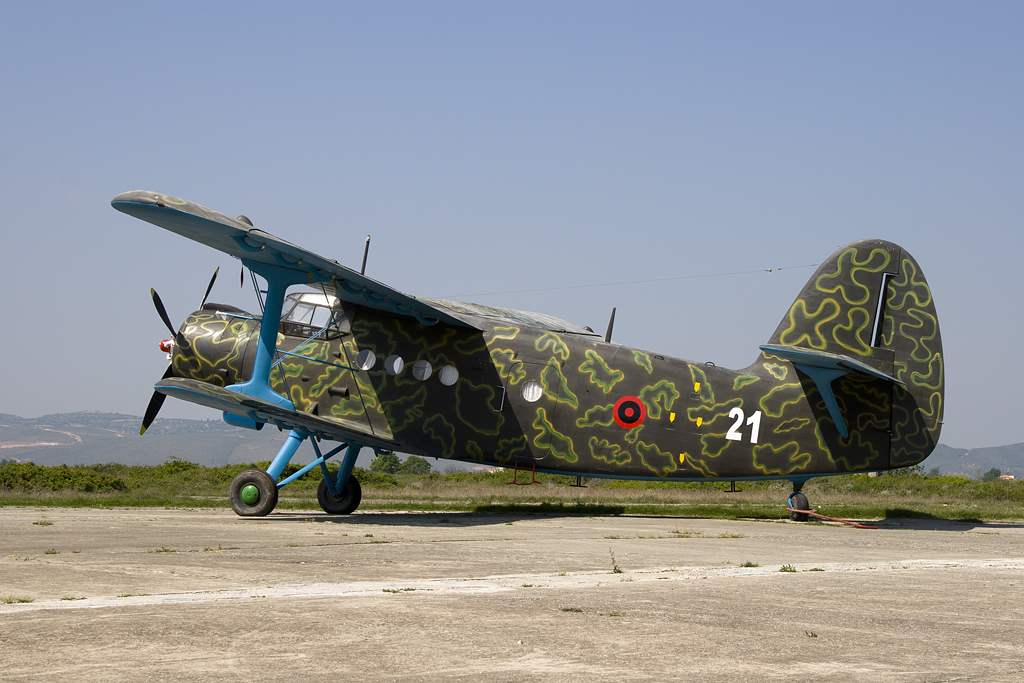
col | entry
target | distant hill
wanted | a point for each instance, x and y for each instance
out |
(88, 438)
(1009, 459)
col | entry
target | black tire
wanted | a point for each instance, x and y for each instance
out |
(348, 501)
(266, 494)
(798, 501)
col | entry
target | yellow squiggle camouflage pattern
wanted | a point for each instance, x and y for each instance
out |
(531, 396)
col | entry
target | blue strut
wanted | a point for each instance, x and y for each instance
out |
(284, 455)
(278, 281)
(335, 486)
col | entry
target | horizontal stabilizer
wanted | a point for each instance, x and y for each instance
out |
(255, 246)
(823, 368)
(260, 410)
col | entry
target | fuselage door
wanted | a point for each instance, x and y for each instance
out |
(522, 396)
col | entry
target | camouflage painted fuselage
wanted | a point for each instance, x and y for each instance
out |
(571, 403)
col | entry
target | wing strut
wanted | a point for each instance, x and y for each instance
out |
(278, 281)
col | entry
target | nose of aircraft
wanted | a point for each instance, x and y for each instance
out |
(167, 346)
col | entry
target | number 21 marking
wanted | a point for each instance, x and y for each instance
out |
(754, 421)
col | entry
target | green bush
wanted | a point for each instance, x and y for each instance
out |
(414, 464)
(31, 477)
(378, 480)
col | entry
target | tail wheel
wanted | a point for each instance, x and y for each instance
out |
(253, 493)
(799, 502)
(341, 504)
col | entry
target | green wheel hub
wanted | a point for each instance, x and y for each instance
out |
(250, 494)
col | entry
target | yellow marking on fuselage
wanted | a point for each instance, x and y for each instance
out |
(671, 417)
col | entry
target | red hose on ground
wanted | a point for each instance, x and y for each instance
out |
(833, 519)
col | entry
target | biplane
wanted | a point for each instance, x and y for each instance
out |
(850, 381)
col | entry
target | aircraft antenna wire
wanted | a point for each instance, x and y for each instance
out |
(631, 282)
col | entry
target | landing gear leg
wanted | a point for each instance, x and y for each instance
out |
(341, 495)
(798, 501)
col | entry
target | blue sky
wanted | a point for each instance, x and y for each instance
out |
(494, 148)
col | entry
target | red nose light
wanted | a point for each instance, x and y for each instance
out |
(165, 346)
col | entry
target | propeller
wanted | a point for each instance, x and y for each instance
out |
(161, 310)
(209, 287)
(157, 400)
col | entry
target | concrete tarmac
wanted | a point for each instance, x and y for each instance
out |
(201, 595)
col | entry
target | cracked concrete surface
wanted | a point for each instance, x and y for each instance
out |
(124, 595)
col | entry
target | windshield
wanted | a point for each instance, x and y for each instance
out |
(308, 313)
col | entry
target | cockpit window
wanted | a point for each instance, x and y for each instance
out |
(306, 314)
(309, 314)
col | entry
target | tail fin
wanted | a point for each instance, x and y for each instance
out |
(868, 310)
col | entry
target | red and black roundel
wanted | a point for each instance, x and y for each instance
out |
(629, 412)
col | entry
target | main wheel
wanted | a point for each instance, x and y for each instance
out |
(253, 493)
(342, 504)
(798, 501)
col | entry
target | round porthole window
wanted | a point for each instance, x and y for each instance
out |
(421, 370)
(366, 359)
(394, 365)
(532, 391)
(448, 375)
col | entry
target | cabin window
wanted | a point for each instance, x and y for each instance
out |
(532, 391)
(394, 365)
(448, 375)
(421, 370)
(366, 359)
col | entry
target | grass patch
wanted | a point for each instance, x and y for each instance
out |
(615, 567)
(12, 599)
(179, 483)
(749, 564)
(787, 568)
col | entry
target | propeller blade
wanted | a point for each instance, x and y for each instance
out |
(155, 402)
(210, 288)
(161, 310)
(151, 410)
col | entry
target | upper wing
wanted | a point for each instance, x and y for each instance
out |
(252, 244)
